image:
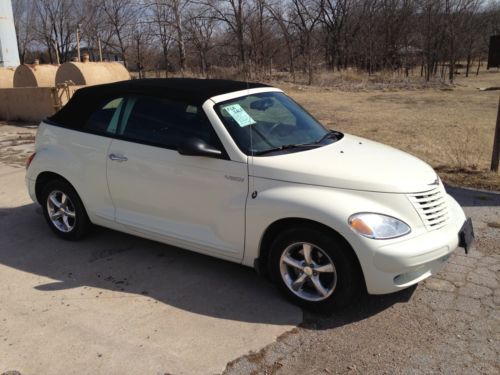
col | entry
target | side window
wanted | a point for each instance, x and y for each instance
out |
(105, 119)
(165, 123)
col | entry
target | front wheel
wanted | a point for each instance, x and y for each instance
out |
(64, 211)
(314, 269)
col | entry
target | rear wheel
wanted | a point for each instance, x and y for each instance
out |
(314, 269)
(64, 211)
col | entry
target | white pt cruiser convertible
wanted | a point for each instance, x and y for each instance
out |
(241, 172)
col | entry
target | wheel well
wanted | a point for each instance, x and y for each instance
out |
(43, 178)
(278, 226)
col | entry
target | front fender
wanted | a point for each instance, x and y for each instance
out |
(277, 200)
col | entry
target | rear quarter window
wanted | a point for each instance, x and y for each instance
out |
(105, 119)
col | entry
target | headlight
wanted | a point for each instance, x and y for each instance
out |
(378, 226)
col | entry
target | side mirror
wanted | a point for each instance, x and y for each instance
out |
(198, 147)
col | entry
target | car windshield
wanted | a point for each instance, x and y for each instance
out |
(271, 122)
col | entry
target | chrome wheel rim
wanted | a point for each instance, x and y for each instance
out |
(308, 271)
(61, 211)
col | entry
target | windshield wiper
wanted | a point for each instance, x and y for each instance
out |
(286, 147)
(331, 133)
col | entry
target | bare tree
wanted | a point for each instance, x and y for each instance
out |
(201, 24)
(306, 15)
(233, 13)
(119, 16)
(93, 27)
(278, 15)
(24, 18)
(256, 36)
(57, 27)
(334, 14)
(160, 18)
(178, 7)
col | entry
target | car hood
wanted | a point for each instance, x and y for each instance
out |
(351, 163)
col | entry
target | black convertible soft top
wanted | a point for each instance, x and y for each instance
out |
(190, 90)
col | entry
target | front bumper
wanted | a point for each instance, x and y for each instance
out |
(399, 265)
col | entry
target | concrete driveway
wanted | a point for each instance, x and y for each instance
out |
(117, 304)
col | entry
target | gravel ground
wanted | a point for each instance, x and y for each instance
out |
(448, 324)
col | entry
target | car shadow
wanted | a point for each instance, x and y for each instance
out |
(364, 307)
(119, 262)
(474, 198)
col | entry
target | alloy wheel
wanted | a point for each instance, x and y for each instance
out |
(308, 271)
(61, 211)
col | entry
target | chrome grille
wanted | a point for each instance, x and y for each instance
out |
(431, 206)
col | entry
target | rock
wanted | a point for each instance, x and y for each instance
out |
(440, 285)
(474, 291)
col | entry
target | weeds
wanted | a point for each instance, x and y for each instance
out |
(464, 152)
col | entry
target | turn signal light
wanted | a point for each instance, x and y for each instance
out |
(361, 227)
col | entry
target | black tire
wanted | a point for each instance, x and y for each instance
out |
(80, 224)
(344, 286)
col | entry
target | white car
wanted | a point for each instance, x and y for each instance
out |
(241, 172)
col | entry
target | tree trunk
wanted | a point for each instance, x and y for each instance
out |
(180, 37)
(469, 59)
(165, 58)
(203, 63)
(495, 155)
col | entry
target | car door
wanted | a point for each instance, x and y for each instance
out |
(189, 201)
(84, 159)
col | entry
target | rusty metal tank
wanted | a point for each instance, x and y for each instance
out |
(6, 78)
(91, 73)
(35, 75)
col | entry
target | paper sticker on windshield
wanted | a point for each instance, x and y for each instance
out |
(239, 115)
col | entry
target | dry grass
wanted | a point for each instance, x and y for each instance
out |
(355, 80)
(494, 224)
(451, 128)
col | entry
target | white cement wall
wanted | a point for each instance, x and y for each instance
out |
(31, 103)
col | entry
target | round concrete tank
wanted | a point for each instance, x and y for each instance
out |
(91, 73)
(35, 75)
(6, 78)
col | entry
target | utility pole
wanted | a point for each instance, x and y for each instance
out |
(78, 42)
(495, 155)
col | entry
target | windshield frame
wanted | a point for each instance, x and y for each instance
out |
(310, 124)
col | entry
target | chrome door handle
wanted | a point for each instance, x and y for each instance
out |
(116, 157)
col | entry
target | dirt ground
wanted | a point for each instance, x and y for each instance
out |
(451, 128)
